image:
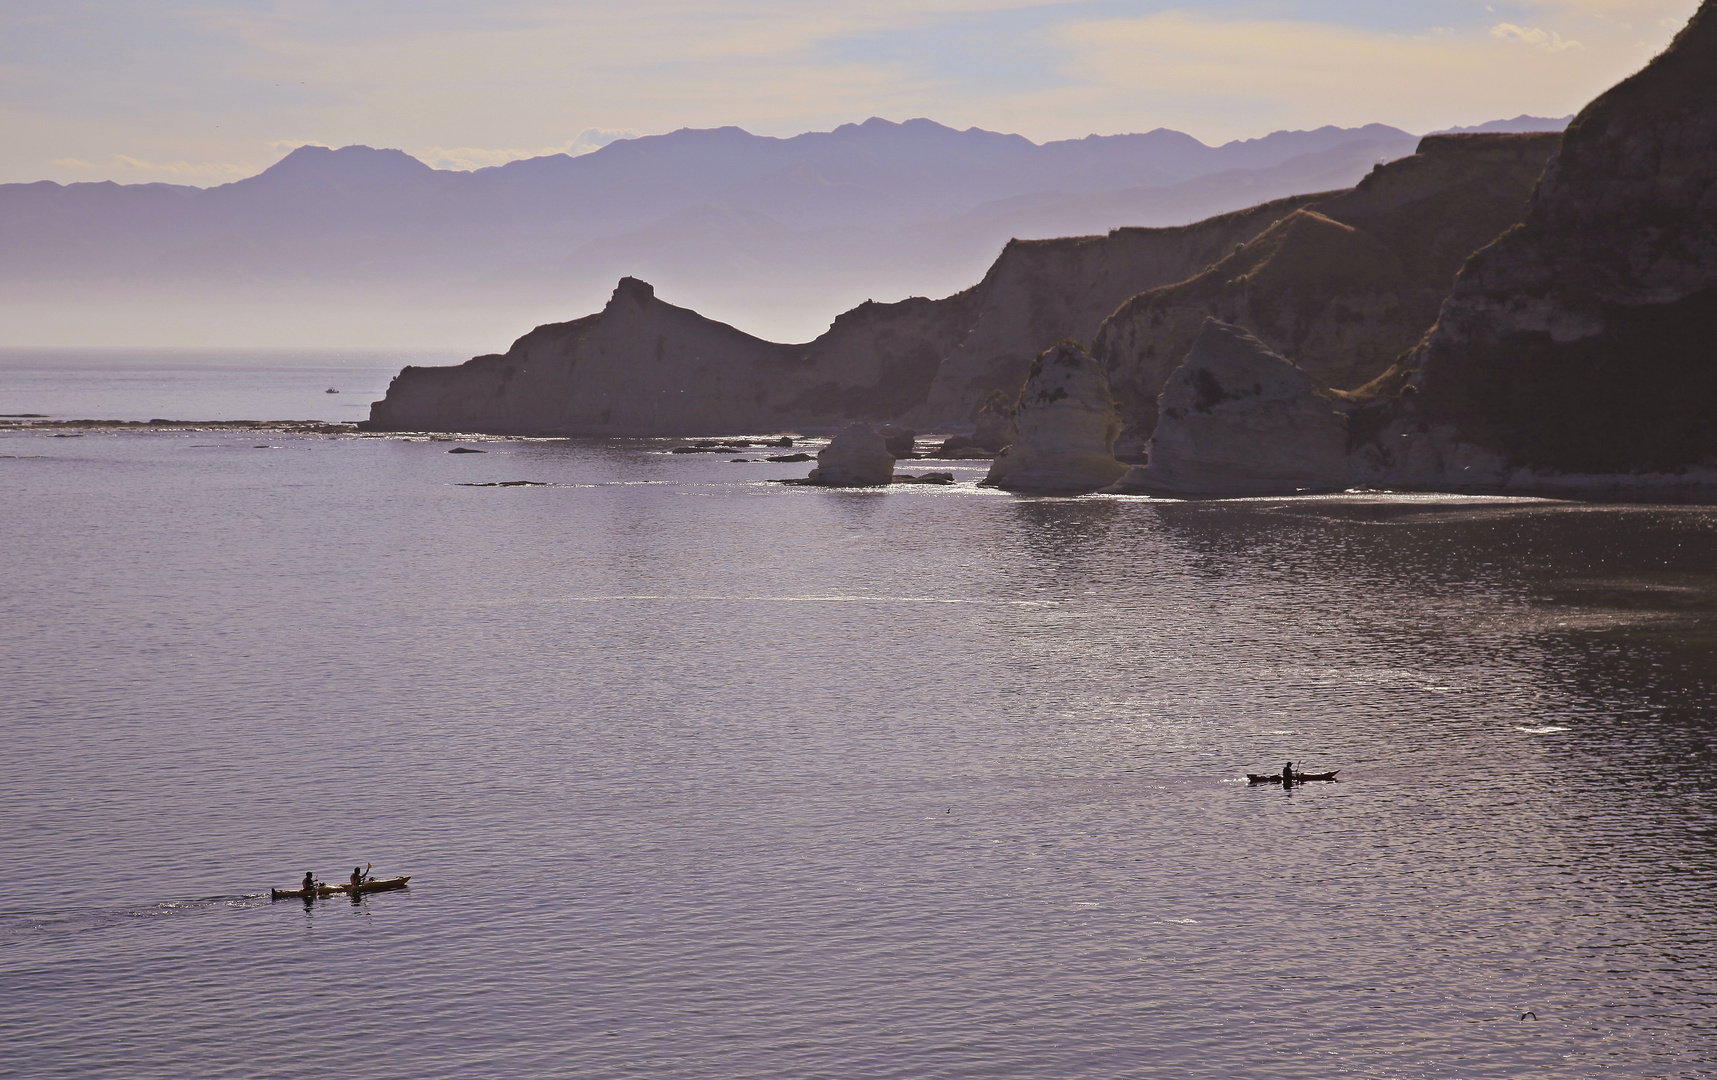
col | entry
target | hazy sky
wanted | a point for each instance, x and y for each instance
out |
(206, 92)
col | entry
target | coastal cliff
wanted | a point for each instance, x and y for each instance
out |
(1039, 292)
(1345, 284)
(1584, 341)
(642, 366)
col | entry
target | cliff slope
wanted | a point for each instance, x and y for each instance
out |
(1347, 283)
(1585, 340)
(1041, 291)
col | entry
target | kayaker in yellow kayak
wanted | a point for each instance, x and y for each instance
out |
(309, 880)
(358, 875)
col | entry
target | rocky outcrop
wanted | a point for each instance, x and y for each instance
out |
(900, 441)
(1239, 419)
(1067, 427)
(1345, 284)
(645, 367)
(857, 457)
(1584, 341)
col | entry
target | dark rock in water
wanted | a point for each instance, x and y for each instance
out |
(900, 441)
(785, 440)
(952, 444)
(510, 483)
(1237, 419)
(466, 450)
(925, 478)
(791, 457)
(1584, 341)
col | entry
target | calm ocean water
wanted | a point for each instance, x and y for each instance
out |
(700, 776)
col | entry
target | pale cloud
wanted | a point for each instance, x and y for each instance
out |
(1306, 74)
(178, 89)
(465, 158)
(1531, 35)
(128, 169)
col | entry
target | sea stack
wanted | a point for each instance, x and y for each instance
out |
(1238, 419)
(1584, 341)
(1067, 424)
(857, 457)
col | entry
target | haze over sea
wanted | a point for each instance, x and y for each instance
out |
(701, 776)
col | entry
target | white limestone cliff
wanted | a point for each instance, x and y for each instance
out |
(1067, 427)
(1238, 419)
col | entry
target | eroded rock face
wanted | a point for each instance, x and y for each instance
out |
(1067, 426)
(1239, 419)
(1585, 340)
(1345, 285)
(857, 457)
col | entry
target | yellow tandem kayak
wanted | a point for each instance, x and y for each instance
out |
(333, 890)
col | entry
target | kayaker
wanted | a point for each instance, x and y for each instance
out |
(1288, 773)
(357, 876)
(309, 880)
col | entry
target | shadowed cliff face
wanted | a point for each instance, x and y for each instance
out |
(1345, 285)
(1585, 340)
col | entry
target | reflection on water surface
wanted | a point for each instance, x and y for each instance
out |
(711, 777)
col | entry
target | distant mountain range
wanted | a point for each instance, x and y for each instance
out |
(371, 246)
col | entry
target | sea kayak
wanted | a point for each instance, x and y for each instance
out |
(1299, 777)
(379, 885)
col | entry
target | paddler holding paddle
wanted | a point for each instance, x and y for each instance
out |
(358, 875)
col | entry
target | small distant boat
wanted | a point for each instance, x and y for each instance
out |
(1299, 777)
(330, 390)
(380, 885)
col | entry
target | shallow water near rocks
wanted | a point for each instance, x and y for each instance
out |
(701, 776)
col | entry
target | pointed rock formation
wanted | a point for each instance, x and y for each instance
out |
(645, 367)
(1238, 419)
(1584, 341)
(1067, 426)
(857, 457)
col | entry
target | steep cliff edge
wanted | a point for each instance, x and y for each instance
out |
(1585, 340)
(1346, 284)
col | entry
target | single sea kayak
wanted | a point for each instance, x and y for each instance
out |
(379, 885)
(1299, 777)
